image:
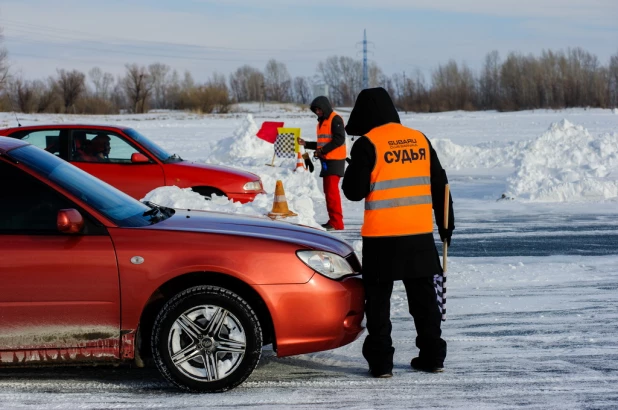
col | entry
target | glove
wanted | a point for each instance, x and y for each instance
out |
(445, 235)
(308, 162)
(318, 153)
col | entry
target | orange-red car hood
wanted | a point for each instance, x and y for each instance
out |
(248, 226)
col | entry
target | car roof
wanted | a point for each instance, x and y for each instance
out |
(64, 125)
(7, 144)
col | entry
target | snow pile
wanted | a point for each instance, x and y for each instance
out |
(185, 198)
(242, 148)
(486, 155)
(246, 151)
(566, 164)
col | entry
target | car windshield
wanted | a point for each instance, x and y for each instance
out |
(115, 205)
(156, 150)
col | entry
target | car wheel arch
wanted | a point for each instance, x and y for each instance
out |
(208, 191)
(179, 283)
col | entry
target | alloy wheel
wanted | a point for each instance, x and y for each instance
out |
(207, 343)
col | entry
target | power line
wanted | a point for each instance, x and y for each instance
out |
(133, 52)
(65, 34)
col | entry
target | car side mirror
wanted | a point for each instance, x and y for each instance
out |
(139, 158)
(70, 221)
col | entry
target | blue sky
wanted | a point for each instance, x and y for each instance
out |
(206, 36)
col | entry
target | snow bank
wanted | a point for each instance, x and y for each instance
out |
(486, 155)
(565, 164)
(244, 150)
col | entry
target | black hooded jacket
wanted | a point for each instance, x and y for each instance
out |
(391, 258)
(329, 166)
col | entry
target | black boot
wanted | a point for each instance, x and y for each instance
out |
(384, 374)
(418, 364)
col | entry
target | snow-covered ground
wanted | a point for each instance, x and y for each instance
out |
(533, 284)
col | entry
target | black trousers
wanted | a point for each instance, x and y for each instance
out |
(378, 346)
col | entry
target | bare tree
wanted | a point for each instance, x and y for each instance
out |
(302, 90)
(46, 96)
(613, 80)
(489, 82)
(213, 96)
(246, 84)
(22, 95)
(453, 87)
(377, 77)
(277, 81)
(159, 76)
(137, 86)
(343, 75)
(187, 80)
(118, 95)
(173, 92)
(4, 63)
(71, 84)
(102, 82)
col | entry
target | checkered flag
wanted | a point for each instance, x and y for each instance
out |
(286, 144)
(439, 284)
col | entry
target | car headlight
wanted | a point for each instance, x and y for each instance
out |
(328, 264)
(253, 186)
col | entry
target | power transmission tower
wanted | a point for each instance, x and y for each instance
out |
(365, 44)
(365, 66)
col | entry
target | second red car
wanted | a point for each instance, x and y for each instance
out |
(129, 161)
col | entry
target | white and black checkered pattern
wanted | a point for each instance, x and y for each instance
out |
(284, 145)
(439, 283)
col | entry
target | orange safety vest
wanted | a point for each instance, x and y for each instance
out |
(325, 136)
(399, 200)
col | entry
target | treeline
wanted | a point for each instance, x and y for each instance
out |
(571, 78)
(138, 90)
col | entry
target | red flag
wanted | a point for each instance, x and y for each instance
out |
(268, 132)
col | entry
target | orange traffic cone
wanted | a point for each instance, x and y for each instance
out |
(280, 204)
(300, 162)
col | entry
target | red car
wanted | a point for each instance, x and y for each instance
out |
(89, 274)
(129, 161)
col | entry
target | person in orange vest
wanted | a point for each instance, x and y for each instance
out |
(397, 172)
(330, 148)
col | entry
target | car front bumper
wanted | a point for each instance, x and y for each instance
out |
(321, 314)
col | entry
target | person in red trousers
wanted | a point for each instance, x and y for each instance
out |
(330, 148)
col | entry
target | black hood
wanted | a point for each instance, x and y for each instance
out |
(373, 108)
(322, 103)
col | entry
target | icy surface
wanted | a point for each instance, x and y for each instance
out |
(533, 285)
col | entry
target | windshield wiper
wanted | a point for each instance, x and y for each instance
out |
(173, 158)
(157, 213)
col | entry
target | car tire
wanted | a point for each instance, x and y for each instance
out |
(207, 192)
(206, 339)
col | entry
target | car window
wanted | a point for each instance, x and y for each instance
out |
(114, 204)
(156, 150)
(100, 146)
(49, 140)
(30, 206)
